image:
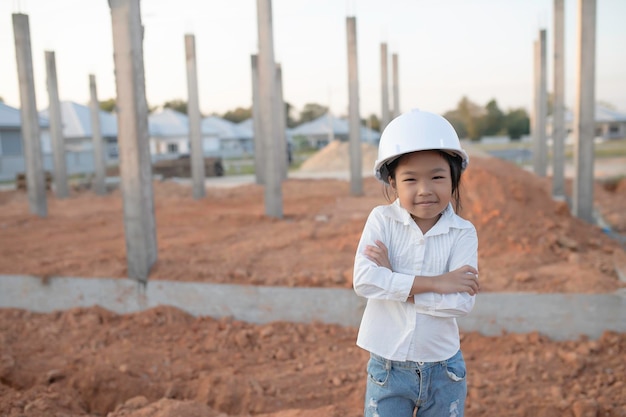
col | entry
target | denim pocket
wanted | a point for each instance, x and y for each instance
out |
(455, 368)
(377, 373)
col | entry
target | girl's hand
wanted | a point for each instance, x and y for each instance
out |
(464, 279)
(378, 254)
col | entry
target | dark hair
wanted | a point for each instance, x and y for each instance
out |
(456, 164)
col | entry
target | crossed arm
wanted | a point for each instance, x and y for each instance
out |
(461, 280)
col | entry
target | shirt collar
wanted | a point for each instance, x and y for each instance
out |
(448, 220)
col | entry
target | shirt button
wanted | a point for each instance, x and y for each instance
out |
(421, 241)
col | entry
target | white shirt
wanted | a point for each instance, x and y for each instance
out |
(426, 330)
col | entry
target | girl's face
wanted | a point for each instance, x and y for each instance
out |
(424, 186)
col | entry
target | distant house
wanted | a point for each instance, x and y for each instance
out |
(77, 136)
(169, 133)
(77, 132)
(12, 159)
(228, 139)
(169, 136)
(321, 131)
(610, 124)
(247, 126)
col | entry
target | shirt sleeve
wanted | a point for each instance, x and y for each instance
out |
(464, 252)
(371, 280)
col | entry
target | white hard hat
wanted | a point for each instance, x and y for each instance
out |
(416, 131)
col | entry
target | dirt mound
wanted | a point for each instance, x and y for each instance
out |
(335, 157)
(530, 238)
(164, 363)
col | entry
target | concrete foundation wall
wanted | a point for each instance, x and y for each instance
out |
(559, 316)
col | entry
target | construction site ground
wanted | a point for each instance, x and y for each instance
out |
(164, 362)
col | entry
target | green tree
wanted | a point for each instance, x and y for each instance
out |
(471, 114)
(602, 103)
(493, 121)
(373, 122)
(455, 119)
(238, 115)
(312, 111)
(178, 105)
(108, 105)
(517, 123)
(289, 109)
(467, 119)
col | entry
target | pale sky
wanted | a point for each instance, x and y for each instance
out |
(447, 49)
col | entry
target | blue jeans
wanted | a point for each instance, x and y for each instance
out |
(396, 389)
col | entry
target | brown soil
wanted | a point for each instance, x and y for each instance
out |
(528, 242)
(164, 362)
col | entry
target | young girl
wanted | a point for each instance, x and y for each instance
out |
(416, 265)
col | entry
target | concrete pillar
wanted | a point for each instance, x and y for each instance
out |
(331, 129)
(543, 103)
(354, 118)
(256, 123)
(558, 114)
(99, 158)
(396, 85)
(281, 124)
(133, 138)
(584, 111)
(540, 148)
(195, 123)
(384, 83)
(533, 110)
(33, 159)
(267, 100)
(61, 188)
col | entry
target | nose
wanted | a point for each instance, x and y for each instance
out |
(423, 188)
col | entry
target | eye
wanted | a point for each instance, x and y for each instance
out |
(438, 177)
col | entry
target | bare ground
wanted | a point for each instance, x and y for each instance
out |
(164, 362)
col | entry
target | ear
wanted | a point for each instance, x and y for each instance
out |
(392, 183)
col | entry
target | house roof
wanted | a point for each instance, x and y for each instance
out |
(225, 129)
(603, 114)
(76, 119)
(321, 125)
(247, 125)
(246, 130)
(11, 117)
(168, 122)
(339, 125)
